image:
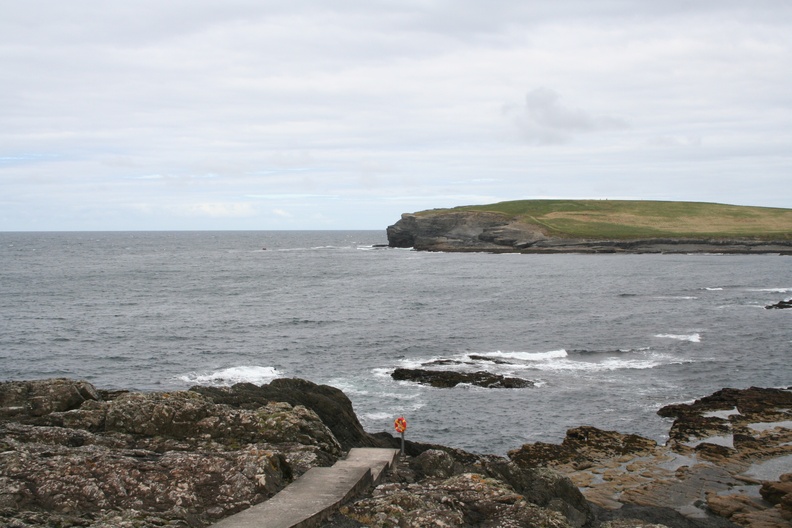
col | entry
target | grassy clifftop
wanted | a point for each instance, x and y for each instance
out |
(626, 219)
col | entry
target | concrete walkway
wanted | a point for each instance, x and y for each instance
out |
(314, 497)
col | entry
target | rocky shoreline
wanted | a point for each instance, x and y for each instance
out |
(468, 231)
(77, 456)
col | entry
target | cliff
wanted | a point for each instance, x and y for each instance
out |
(596, 226)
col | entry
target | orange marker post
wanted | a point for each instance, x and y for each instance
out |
(400, 424)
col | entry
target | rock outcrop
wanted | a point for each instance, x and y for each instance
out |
(780, 305)
(459, 231)
(72, 458)
(73, 455)
(331, 405)
(463, 231)
(705, 471)
(449, 378)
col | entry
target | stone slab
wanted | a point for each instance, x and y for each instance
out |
(311, 499)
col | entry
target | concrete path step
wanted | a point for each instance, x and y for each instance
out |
(312, 498)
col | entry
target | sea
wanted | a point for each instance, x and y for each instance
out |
(606, 339)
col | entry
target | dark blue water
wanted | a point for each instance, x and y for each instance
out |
(608, 339)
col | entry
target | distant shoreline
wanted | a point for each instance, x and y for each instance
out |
(592, 226)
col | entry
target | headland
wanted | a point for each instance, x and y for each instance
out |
(597, 226)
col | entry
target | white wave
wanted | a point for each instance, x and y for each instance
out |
(693, 338)
(347, 387)
(772, 290)
(607, 365)
(714, 289)
(525, 356)
(231, 375)
(677, 297)
(398, 395)
(377, 416)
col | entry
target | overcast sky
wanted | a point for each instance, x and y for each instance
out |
(255, 114)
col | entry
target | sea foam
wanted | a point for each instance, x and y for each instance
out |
(229, 376)
(526, 356)
(693, 338)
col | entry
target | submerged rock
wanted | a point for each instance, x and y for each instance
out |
(780, 305)
(448, 379)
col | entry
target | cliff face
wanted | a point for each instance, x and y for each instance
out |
(463, 231)
(459, 231)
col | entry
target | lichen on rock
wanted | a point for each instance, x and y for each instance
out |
(177, 456)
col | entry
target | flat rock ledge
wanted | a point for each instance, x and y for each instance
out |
(469, 231)
(449, 378)
(728, 459)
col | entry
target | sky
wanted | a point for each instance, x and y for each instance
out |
(344, 114)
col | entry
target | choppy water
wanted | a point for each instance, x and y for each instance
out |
(608, 339)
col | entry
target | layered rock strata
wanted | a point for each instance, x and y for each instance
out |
(500, 233)
(729, 458)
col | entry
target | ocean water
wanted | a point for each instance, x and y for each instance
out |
(607, 339)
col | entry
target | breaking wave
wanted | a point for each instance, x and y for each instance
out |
(693, 338)
(229, 376)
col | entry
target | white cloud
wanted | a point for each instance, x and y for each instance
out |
(282, 213)
(206, 110)
(216, 210)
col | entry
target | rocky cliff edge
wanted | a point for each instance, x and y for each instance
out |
(460, 231)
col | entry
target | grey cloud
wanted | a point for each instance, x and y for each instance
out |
(544, 119)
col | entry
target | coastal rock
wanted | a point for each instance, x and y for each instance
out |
(780, 305)
(779, 493)
(543, 487)
(448, 379)
(435, 463)
(475, 230)
(27, 400)
(470, 499)
(331, 405)
(728, 411)
(148, 459)
(703, 472)
(462, 231)
(582, 446)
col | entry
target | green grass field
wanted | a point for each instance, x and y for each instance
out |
(625, 219)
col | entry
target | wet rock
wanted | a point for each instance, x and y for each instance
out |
(780, 305)
(448, 379)
(476, 357)
(632, 516)
(582, 445)
(746, 401)
(779, 493)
